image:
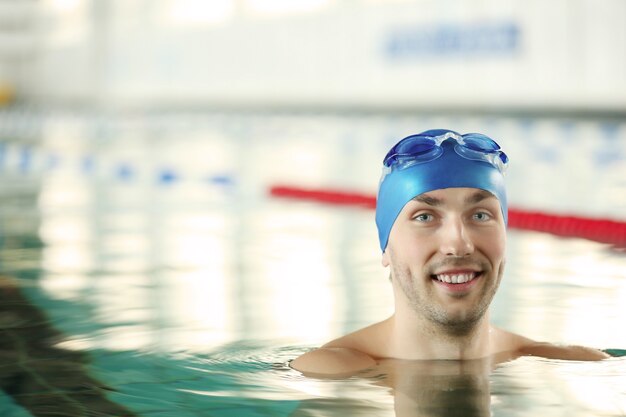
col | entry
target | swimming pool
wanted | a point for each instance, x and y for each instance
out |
(147, 271)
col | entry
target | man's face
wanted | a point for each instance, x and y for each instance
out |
(446, 252)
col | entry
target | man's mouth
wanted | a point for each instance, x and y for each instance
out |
(457, 277)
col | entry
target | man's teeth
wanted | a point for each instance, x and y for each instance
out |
(456, 278)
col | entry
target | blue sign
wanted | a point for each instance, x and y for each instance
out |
(482, 39)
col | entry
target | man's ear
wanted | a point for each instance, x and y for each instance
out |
(385, 258)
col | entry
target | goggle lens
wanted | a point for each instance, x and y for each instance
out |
(415, 145)
(480, 143)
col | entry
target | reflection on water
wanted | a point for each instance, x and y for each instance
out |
(39, 376)
(191, 291)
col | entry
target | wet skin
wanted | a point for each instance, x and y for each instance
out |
(446, 255)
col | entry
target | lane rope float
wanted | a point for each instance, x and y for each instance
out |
(601, 230)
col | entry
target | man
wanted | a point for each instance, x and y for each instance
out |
(441, 214)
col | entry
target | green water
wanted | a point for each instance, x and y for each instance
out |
(125, 296)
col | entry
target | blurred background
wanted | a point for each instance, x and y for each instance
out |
(139, 142)
(565, 56)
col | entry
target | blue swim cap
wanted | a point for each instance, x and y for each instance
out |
(449, 169)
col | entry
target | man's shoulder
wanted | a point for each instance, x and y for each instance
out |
(523, 346)
(329, 360)
(564, 352)
(527, 347)
(346, 355)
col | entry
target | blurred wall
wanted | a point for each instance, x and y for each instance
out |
(18, 39)
(557, 55)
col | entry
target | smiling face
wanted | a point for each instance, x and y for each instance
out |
(446, 252)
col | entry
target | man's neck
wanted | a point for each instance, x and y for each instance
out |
(414, 337)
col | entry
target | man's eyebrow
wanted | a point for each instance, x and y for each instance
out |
(479, 196)
(474, 198)
(431, 201)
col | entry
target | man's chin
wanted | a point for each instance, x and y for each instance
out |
(460, 323)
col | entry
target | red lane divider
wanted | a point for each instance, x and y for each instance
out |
(599, 230)
(344, 198)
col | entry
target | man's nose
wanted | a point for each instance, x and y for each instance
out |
(455, 239)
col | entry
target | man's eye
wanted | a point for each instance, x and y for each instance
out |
(424, 217)
(482, 216)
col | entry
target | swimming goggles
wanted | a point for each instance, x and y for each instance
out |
(427, 146)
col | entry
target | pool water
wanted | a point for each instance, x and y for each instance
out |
(145, 269)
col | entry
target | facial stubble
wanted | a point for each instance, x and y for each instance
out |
(424, 304)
